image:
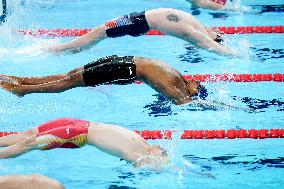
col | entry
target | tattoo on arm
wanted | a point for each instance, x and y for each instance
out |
(173, 18)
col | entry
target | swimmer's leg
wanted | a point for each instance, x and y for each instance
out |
(30, 80)
(67, 81)
(16, 138)
(78, 44)
(35, 80)
(19, 148)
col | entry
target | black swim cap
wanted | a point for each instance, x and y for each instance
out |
(218, 39)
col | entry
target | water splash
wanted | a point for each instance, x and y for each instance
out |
(13, 44)
(236, 6)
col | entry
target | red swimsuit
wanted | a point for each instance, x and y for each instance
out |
(62, 133)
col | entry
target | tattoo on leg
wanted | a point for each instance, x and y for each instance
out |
(173, 18)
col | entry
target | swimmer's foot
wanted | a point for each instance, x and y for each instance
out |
(8, 79)
(12, 88)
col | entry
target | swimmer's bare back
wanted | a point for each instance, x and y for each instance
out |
(163, 78)
(185, 26)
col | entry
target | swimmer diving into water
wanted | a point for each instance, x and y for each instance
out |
(209, 4)
(111, 139)
(74, 133)
(112, 70)
(223, 5)
(170, 21)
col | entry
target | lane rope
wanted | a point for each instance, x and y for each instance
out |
(222, 29)
(204, 134)
(277, 77)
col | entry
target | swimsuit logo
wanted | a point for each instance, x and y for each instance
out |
(130, 70)
(67, 131)
(121, 21)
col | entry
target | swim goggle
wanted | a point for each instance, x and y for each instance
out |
(201, 93)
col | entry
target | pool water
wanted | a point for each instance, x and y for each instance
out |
(242, 163)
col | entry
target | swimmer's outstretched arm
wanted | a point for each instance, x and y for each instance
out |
(83, 42)
(16, 138)
(206, 42)
(31, 80)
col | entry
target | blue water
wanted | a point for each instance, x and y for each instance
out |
(242, 163)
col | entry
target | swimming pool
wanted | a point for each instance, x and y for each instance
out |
(244, 163)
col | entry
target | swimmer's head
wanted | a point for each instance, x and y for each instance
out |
(201, 93)
(219, 39)
(160, 153)
(196, 89)
(156, 158)
(215, 34)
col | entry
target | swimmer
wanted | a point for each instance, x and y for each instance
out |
(209, 4)
(170, 21)
(224, 5)
(34, 181)
(74, 133)
(112, 70)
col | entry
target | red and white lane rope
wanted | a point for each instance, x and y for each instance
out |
(204, 134)
(222, 29)
(277, 77)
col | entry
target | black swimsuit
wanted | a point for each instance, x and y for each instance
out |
(134, 24)
(110, 70)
